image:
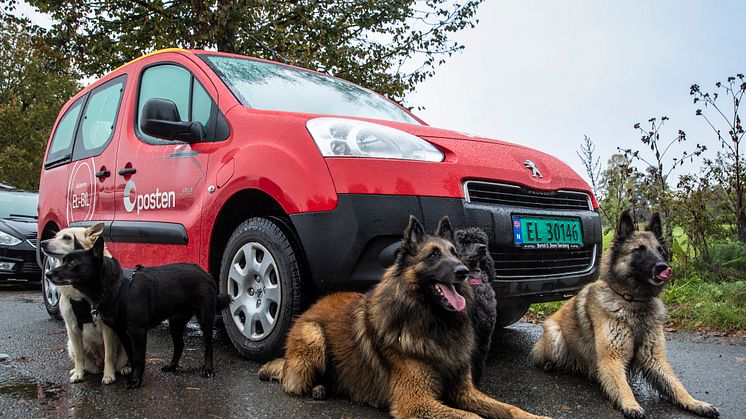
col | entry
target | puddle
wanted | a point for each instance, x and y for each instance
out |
(22, 387)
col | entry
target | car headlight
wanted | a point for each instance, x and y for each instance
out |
(337, 137)
(8, 240)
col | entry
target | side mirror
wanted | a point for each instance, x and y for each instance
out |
(160, 118)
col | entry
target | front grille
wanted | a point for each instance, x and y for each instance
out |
(516, 196)
(30, 267)
(515, 262)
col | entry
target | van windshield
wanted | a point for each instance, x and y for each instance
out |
(262, 85)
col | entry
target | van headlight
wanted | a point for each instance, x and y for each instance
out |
(8, 240)
(338, 137)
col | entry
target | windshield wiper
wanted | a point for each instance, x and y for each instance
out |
(35, 217)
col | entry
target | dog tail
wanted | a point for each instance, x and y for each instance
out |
(223, 301)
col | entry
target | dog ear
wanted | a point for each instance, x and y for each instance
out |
(625, 227)
(94, 230)
(655, 226)
(445, 229)
(77, 245)
(413, 235)
(98, 249)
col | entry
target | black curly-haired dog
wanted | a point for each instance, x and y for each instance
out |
(472, 245)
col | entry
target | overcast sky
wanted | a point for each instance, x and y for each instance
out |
(545, 73)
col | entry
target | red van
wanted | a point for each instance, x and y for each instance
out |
(287, 184)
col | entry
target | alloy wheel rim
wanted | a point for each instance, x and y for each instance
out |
(256, 291)
(51, 293)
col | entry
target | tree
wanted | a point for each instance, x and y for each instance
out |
(620, 186)
(658, 169)
(387, 46)
(35, 81)
(592, 164)
(731, 153)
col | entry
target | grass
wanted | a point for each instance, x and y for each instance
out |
(692, 305)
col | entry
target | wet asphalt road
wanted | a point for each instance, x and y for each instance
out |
(34, 377)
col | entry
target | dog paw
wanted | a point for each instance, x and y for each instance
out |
(207, 372)
(76, 377)
(169, 367)
(133, 383)
(633, 412)
(72, 371)
(126, 370)
(319, 392)
(108, 379)
(549, 366)
(703, 409)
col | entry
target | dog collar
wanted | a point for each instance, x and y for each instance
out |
(627, 297)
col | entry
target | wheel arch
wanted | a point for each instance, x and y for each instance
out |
(241, 206)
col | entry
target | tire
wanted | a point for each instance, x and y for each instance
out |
(50, 294)
(508, 314)
(265, 296)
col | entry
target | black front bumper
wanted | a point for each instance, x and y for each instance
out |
(349, 248)
(23, 257)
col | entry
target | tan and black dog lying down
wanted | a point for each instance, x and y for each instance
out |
(405, 345)
(615, 325)
(94, 348)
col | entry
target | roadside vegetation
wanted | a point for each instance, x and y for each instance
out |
(703, 212)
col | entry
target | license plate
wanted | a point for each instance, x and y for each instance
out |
(547, 233)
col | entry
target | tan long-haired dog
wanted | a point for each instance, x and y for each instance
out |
(405, 345)
(615, 326)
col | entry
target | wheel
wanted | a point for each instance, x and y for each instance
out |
(260, 272)
(49, 291)
(508, 314)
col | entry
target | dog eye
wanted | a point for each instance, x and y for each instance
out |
(434, 254)
(640, 248)
(65, 237)
(73, 262)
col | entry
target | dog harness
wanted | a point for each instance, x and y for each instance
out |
(127, 276)
(82, 311)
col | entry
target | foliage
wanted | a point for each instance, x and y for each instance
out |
(731, 155)
(592, 164)
(35, 81)
(620, 188)
(657, 191)
(695, 208)
(386, 46)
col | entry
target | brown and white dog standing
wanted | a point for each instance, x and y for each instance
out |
(615, 325)
(91, 344)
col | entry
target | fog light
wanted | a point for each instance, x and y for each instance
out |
(7, 266)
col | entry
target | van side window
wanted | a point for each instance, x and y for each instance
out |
(62, 141)
(99, 119)
(177, 84)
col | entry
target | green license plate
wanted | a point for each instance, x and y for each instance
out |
(547, 233)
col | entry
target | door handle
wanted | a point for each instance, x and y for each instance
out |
(103, 174)
(127, 171)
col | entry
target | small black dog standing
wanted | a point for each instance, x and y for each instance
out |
(175, 292)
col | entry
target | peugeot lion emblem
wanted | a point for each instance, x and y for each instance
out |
(534, 171)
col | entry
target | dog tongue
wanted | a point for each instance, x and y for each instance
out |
(663, 276)
(454, 298)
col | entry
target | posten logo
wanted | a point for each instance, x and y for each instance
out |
(151, 201)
